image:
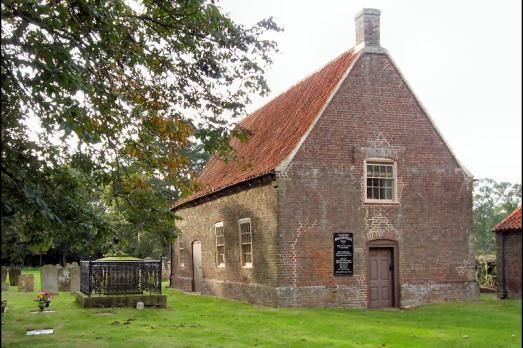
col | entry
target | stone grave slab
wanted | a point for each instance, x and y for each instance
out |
(14, 273)
(4, 274)
(26, 283)
(64, 279)
(75, 277)
(39, 332)
(49, 278)
(166, 270)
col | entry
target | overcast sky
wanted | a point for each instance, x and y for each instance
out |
(462, 58)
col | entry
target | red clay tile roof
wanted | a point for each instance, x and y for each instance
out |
(276, 128)
(511, 222)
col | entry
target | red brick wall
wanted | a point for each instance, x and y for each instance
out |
(374, 115)
(321, 192)
(513, 262)
(255, 285)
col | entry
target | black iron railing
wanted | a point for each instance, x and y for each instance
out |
(120, 277)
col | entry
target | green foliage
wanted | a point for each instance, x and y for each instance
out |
(493, 201)
(81, 228)
(146, 89)
(139, 211)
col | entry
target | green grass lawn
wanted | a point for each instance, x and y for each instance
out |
(202, 321)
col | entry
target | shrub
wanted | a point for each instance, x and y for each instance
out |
(486, 271)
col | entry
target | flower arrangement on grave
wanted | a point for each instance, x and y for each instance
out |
(44, 299)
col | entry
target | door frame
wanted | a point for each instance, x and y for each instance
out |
(386, 243)
(192, 263)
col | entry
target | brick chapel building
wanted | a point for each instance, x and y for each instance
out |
(348, 196)
(508, 256)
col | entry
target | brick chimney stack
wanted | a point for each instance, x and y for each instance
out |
(368, 27)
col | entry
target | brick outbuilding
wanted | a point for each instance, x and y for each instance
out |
(508, 255)
(346, 195)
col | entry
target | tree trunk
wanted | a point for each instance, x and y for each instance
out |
(64, 257)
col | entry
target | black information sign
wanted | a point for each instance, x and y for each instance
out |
(343, 254)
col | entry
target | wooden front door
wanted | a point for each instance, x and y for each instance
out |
(197, 266)
(381, 278)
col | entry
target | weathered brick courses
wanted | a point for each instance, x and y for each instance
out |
(256, 284)
(374, 114)
(513, 261)
(320, 192)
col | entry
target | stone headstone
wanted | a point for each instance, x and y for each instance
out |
(139, 305)
(75, 277)
(49, 278)
(4, 274)
(14, 273)
(166, 270)
(26, 283)
(64, 279)
(5, 286)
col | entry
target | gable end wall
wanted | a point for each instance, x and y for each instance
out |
(374, 114)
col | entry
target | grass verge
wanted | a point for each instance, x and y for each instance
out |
(202, 321)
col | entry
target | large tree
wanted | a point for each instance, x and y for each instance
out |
(493, 201)
(78, 226)
(132, 84)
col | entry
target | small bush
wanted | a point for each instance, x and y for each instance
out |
(486, 271)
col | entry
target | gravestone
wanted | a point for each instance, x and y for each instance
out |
(14, 273)
(75, 277)
(26, 283)
(166, 271)
(5, 286)
(4, 274)
(139, 305)
(49, 278)
(64, 279)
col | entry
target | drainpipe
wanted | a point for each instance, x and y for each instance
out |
(503, 292)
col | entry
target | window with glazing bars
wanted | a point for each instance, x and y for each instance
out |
(220, 244)
(380, 181)
(245, 243)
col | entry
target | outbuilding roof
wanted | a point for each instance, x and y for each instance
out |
(276, 129)
(511, 222)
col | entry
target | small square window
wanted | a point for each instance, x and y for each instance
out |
(380, 181)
